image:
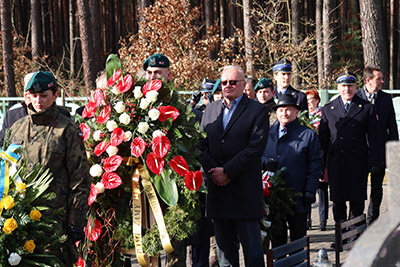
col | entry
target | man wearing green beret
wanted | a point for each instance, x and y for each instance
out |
(54, 141)
(157, 67)
(265, 92)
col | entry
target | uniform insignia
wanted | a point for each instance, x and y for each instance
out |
(332, 107)
(360, 106)
(152, 61)
(292, 93)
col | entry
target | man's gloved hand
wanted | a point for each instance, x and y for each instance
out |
(308, 198)
(195, 98)
(270, 165)
(76, 233)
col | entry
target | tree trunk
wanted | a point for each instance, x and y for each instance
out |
(373, 39)
(94, 6)
(327, 22)
(7, 43)
(71, 39)
(37, 41)
(232, 18)
(86, 43)
(295, 23)
(209, 17)
(320, 48)
(222, 18)
(248, 36)
(394, 44)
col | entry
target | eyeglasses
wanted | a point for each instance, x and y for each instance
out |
(232, 82)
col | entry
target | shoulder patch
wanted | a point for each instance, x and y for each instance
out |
(360, 106)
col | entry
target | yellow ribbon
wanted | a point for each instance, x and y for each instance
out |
(141, 172)
(6, 156)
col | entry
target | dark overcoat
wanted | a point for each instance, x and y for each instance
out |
(351, 145)
(238, 149)
(300, 152)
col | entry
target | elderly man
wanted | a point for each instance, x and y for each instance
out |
(296, 148)
(157, 67)
(265, 92)
(372, 92)
(249, 89)
(54, 141)
(236, 131)
(350, 140)
(282, 75)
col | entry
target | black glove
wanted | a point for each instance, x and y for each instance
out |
(308, 198)
(195, 98)
(270, 165)
(76, 233)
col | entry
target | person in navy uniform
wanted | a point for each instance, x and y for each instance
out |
(237, 131)
(350, 140)
(282, 75)
(372, 91)
(297, 148)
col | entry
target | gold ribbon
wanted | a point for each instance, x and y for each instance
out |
(141, 172)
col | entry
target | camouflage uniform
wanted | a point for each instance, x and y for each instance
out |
(55, 142)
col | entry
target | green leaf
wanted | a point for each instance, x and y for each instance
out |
(166, 188)
(113, 64)
(177, 133)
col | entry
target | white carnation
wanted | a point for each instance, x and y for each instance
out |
(98, 135)
(111, 125)
(143, 127)
(124, 118)
(119, 107)
(144, 103)
(152, 96)
(127, 136)
(137, 92)
(154, 114)
(96, 170)
(158, 133)
(112, 150)
(99, 187)
(115, 91)
(14, 259)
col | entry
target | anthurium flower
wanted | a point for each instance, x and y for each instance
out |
(101, 147)
(160, 146)
(35, 215)
(80, 263)
(30, 246)
(179, 165)
(92, 195)
(90, 110)
(93, 232)
(154, 85)
(193, 180)
(137, 146)
(10, 225)
(117, 136)
(114, 78)
(112, 163)
(111, 180)
(155, 164)
(125, 83)
(104, 115)
(85, 129)
(167, 112)
(97, 97)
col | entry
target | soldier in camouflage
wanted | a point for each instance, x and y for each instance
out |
(56, 142)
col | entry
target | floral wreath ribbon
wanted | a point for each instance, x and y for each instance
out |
(6, 156)
(141, 172)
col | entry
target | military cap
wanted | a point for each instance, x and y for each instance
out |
(283, 65)
(263, 83)
(217, 86)
(207, 86)
(156, 60)
(41, 81)
(284, 101)
(346, 78)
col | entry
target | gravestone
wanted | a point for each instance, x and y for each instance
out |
(379, 244)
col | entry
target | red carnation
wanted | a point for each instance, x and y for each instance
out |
(167, 112)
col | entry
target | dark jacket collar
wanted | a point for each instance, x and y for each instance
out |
(45, 117)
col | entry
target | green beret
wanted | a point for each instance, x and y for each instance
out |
(156, 60)
(217, 86)
(263, 83)
(41, 81)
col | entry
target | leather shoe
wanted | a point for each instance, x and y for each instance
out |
(322, 225)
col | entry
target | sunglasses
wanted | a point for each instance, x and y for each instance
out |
(233, 82)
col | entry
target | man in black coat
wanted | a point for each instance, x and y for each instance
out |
(350, 141)
(282, 75)
(237, 133)
(372, 92)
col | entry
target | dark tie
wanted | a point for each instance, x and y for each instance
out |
(346, 107)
